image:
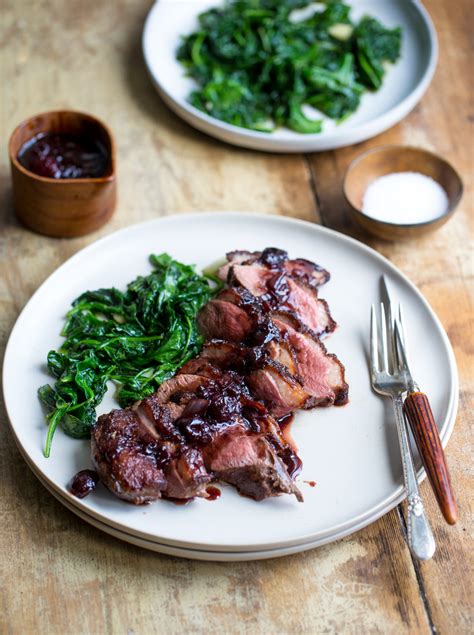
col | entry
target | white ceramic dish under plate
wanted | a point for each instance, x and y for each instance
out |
(351, 452)
(404, 84)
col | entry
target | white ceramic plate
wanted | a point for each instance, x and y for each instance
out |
(404, 84)
(351, 452)
(182, 552)
(194, 554)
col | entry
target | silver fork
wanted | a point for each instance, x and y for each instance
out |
(389, 379)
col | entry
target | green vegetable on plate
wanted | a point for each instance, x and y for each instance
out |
(258, 64)
(135, 339)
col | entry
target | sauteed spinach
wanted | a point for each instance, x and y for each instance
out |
(257, 63)
(136, 339)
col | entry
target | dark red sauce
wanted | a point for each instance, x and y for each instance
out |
(285, 424)
(83, 483)
(273, 257)
(292, 459)
(310, 483)
(64, 156)
(213, 493)
(220, 403)
(286, 421)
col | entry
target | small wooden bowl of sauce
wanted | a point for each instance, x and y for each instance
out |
(399, 192)
(63, 173)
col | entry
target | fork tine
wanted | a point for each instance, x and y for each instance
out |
(374, 346)
(401, 324)
(401, 347)
(403, 332)
(389, 312)
(392, 344)
(383, 339)
(385, 291)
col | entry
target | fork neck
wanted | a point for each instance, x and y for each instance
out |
(412, 386)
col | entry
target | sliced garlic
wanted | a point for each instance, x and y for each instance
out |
(341, 31)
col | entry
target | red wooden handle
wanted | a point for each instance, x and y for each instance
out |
(418, 411)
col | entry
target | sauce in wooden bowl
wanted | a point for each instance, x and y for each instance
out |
(64, 156)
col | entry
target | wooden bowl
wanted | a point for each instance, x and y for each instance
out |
(378, 162)
(62, 207)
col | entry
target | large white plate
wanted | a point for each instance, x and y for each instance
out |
(351, 452)
(404, 84)
(196, 554)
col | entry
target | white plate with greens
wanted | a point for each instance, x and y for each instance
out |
(350, 452)
(403, 85)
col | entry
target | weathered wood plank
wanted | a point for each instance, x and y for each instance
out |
(441, 265)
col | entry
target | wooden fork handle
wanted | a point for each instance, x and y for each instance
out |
(423, 426)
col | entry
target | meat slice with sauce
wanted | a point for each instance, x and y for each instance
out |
(270, 371)
(322, 374)
(141, 457)
(240, 442)
(217, 426)
(279, 390)
(224, 320)
(277, 290)
(175, 393)
(299, 268)
(249, 462)
(240, 357)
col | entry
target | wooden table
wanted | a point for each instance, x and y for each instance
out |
(59, 575)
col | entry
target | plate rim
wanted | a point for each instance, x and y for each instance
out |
(370, 515)
(170, 550)
(192, 553)
(195, 553)
(256, 140)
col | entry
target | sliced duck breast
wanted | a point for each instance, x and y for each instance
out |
(312, 311)
(250, 463)
(255, 278)
(119, 453)
(277, 388)
(307, 272)
(237, 258)
(224, 320)
(299, 268)
(219, 353)
(283, 352)
(322, 373)
(176, 392)
(240, 443)
(242, 358)
(217, 418)
(182, 383)
(278, 291)
(232, 315)
(186, 476)
(139, 464)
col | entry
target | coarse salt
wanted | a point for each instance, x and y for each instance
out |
(405, 198)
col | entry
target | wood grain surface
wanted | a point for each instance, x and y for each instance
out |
(59, 575)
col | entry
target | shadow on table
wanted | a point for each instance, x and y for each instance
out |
(146, 96)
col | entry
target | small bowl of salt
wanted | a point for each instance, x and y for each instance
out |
(401, 191)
